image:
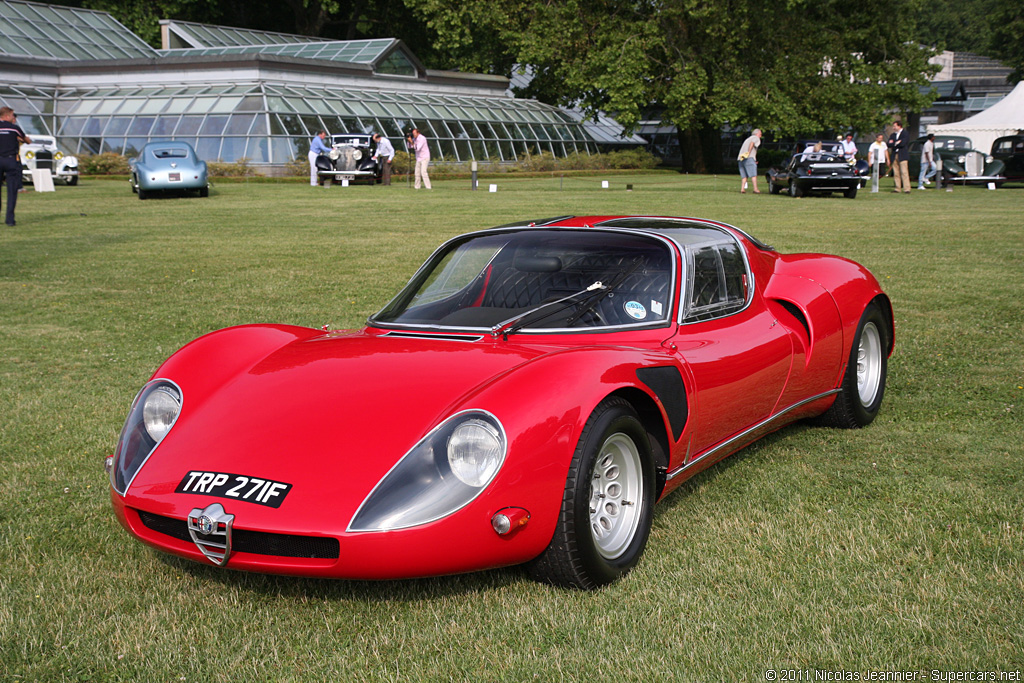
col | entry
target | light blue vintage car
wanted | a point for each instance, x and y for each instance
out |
(170, 166)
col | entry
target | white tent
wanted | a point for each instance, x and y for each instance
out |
(1005, 117)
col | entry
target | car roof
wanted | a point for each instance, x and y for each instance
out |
(686, 232)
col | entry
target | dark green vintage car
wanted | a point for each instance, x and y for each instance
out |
(960, 162)
(1010, 150)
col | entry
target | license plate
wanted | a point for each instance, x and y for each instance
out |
(174, 177)
(224, 485)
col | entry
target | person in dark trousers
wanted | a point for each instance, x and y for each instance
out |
(899, 148)
(11, 137)
(386, 154)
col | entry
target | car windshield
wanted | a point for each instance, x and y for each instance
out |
(170, 153)
(955, 143)
(486, 279)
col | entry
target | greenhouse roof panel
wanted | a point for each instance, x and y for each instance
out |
(29, 29)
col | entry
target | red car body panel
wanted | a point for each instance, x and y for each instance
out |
(331, 413)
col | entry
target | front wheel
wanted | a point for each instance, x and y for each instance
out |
(860, 395)
(850, 192)
(794, 189)
(607, 505)
(72, 181)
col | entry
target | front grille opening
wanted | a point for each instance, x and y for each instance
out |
(255, 542)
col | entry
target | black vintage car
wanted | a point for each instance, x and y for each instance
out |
(1010, 151)
(960, 162)
(814, 173)
(351, 159)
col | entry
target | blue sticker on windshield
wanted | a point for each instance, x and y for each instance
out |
(635, 310)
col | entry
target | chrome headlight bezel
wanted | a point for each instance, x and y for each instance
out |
(424, 485)
(153, 414)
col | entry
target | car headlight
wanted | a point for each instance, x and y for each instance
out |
(989, 159)
(961, 159)
(30, 155)
(357, 154)
(58, 156)
(440, 475)
(151, 417)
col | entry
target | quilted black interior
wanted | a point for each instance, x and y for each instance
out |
(524, 284)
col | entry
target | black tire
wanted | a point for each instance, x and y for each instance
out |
(863, 387)
(72, 181)
(607, 505)
(794, 190)
(204, 191)
(143, 194)
(773, 188)
(134, 185)
(850, 192)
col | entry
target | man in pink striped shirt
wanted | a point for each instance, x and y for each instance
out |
(422, 152)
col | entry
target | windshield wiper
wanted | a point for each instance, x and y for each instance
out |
(605, 291)
(516, 323)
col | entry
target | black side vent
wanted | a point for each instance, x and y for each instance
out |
(795, 311)
(667, 385)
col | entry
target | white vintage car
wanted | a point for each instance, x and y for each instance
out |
(41, 154)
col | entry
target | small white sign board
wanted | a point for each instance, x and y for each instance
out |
(604, 184)
(493, 188)
(42, 180)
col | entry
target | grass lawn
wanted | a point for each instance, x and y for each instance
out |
(900, 546)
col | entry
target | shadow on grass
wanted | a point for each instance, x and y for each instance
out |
(404, 590)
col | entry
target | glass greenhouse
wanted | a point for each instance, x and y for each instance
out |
(234, 93)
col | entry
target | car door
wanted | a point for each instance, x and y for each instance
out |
(737, 354)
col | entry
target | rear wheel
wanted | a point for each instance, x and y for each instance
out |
(607, 505)
(773, 188)
(73, 180)
(850, 192)
(860, 395)
(794, 190)
(143, 194)
(204, 191)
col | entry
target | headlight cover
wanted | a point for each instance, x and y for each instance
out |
(440, 475)
(153, 413)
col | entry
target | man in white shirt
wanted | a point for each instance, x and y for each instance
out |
(878, 152)
(849, 149)
(927, 162)
(386, 153)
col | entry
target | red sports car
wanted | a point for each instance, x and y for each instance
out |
(526, 398)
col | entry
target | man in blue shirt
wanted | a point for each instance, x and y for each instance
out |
(316, 148)
(386, 153)
(11, 137)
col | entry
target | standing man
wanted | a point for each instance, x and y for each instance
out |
(899, 149)
(849, 149)
(11, 137)
(878, 153)
(386, 153)
(316, 148)
(747, 160)
(422, 153)
(927, 162)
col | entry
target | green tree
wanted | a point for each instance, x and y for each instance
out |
(1006, 40)
(793, 66)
